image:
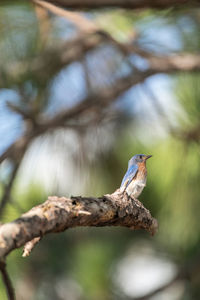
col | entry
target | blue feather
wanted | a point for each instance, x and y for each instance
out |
(130, 174)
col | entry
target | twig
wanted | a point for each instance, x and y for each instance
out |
(26, 115)
(16, 151)
(29, 246)
(7, 281)
(8, 187)
(58, 214)
(77, 19)
(44, 24)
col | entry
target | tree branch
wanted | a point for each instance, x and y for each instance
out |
(18, 148)
(192, 134)
(128, 4)
(7, 190)
(7, 281)
(58, 214)
(175, 62)
(165, 64)
(43, 67)
(77, 19)
(47, 64)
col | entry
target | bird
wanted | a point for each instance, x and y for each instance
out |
(135, 178)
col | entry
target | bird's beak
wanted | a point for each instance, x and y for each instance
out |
(148, 156)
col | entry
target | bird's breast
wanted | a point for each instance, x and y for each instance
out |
(135, 187)
(142, 171)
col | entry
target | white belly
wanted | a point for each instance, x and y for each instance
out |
(135, 188)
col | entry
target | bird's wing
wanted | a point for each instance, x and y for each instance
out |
(130, 174)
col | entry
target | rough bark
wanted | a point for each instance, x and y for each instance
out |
(58, 214)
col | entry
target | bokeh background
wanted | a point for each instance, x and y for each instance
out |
(87, 152)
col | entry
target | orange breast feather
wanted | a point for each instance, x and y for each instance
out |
(142, 171)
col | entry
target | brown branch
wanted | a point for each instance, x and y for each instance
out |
(44, 25)
(175, 63)
(7, 281)
(165, 64)
(192, 134)
(179, 62)
(30, 245)
(44, 67)
(58, 214)
(77, 19)
(100, 100)
(105, 97)
(18, 148)
(49, 62)
(25, 114)
(128, 4)
(7, 190)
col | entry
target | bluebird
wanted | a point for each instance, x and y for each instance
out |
(136, 176)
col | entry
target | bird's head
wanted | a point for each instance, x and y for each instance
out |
(138, 158)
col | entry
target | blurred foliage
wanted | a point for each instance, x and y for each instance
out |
(79, 264)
